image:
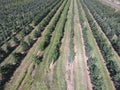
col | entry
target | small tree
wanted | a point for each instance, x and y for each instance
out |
(22, 33)
(8, 46)
(6, 69)
(30, 41)
(2, 52)
(116, 79)
(15, 39)
(17, 57)
(36, 59)
(36, 34)
(24, 45)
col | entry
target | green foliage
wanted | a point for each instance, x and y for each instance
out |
(24, 45)
(30, 40)
(116, 79)
(15, 39)
(5, 69)
(59, 30)
(108, 20)
(45, 40)
(8, 46)
(36, 59)
(2, 52)
(15, 16)
(17, 57)
(105, 48)
(44, 43)
(95, 74)
(36, 34)
(39, 17)
(71, 44)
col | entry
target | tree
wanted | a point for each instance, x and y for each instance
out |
(36, 34)
(116, 79)
(36, 59)
(6, 69)
(30, 41)
(15, 39)
(8, 46)
(17, 57)
(24, 45)
(2, 52)
(22, 33)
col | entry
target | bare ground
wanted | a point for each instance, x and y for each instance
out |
(69, 76)
(50, 74)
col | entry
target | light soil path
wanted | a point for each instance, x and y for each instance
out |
(69, 76)
(82, 78)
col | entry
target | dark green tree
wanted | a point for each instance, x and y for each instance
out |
(17, 57)
(36, 59)
(15, 39)
(8, 46)
(36, 34)
(30, 41)
(2, 52)
(24, 45)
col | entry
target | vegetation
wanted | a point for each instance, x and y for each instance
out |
(45, 40)
(54, 50)
(17, 57)
(110, 26)
(32, 53)
(24, 46)
(20, 15)
(95, 72)
(71, 44)
(30, 41)
(112, 65)
(36, 59)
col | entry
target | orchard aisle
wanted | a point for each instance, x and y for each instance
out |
(62, 78)
(80, 75)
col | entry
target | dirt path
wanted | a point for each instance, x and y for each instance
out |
(82, 78)
(32, 76)
(108, 3)
(51, 70)
(69, 75)
(30, 73)
(63, 66)
(50, 74)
